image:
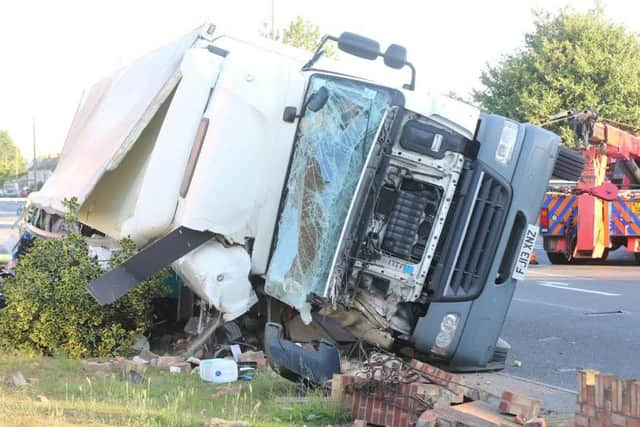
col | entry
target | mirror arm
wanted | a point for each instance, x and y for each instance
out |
(411, 85)
(319, 52)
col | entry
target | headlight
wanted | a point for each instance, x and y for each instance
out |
(507, 142)
(444, 338)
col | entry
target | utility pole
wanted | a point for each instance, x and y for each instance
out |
(273, 33)
(35, 161)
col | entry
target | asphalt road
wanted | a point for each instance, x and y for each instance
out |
(565, 318)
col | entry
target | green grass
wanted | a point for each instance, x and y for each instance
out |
(77, 397)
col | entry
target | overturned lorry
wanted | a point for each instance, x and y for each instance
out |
(355, 210)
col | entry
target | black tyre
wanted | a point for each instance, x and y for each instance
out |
(569, 164)
(558, 258)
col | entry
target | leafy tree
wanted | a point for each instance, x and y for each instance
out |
(571, 60)
(300, 33)
(9, 165)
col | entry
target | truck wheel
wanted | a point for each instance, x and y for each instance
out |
(637, 255)
(569, 164)
(558, 258)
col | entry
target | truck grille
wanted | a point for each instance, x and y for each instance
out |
(471, 237)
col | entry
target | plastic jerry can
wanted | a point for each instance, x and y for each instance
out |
(218, 370)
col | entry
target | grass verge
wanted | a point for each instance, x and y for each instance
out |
(62, 393)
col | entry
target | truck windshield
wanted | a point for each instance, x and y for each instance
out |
(330, 152)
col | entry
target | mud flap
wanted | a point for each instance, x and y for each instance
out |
(115, 283)
(294, 362)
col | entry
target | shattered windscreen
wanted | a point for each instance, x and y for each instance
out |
(330, 152)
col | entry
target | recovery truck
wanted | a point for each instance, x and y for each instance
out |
(601, 211)
(342, 208)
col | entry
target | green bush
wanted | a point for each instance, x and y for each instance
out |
(49, 310)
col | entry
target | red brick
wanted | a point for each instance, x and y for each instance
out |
(388, 417)
(516, 404)
(369, 408)
(618, 420)
(360, 423)
(589, 411)
(635, 404)
(591, 395)
(633, 422)
(603, 389)
(396, 418)
(427, 419)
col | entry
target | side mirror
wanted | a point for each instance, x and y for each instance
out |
(318, 99)
(355, 44)
(395, 56)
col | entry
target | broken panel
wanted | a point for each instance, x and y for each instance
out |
(330, 152)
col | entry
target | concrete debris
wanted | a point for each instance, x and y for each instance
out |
(141, 343)
(524, 408)
(42, 398)
(219, 422)
(139, 360)
(164, 362)
(180, 368)
(147, 355)
(472, 414)
(18, 379)
(254, 356)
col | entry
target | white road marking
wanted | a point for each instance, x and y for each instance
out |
(550, 304)
(568, 288)
(554, 283)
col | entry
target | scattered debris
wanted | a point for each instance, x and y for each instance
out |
(182, 367)
(218, 422)
(386, 390)
(139, 360)
(33, 381)
(218, 370)
(141, 343)
(148, 355)
(18, 379)
(164, 362)
(94, 367)
(524, 408)
(517, 364)
(254, 356)
(42, 398)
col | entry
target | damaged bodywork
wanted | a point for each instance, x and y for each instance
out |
(345, 209)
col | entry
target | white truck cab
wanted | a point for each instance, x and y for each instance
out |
(396, 214)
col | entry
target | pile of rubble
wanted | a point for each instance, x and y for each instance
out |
(386, 391)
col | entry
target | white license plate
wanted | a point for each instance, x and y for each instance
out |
(524, 254)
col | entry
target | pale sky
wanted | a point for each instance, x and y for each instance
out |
(52, 50)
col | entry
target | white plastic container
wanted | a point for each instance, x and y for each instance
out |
(218, 370)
